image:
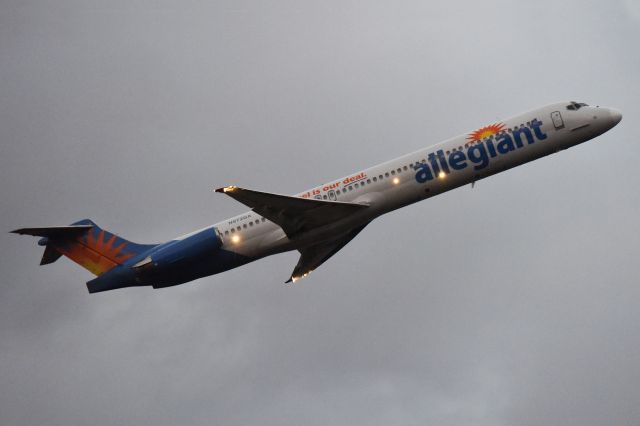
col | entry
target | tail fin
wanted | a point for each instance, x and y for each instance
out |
(85, 243)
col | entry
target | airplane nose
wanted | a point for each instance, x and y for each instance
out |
(616, 116)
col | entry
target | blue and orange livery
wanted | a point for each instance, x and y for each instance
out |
(97, 250)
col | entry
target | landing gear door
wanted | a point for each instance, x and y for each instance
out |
(558, 123)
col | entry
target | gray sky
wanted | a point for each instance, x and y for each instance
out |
(512, 303)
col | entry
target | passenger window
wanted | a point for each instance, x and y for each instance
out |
(386, 174)
(375, 179)
(324, 197)
(405, 168)
(368, 180)
(380, 177)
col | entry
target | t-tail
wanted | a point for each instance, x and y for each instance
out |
(88, 245)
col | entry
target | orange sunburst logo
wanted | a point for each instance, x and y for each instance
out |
(96, 253)
(106, 248)
(485, 132)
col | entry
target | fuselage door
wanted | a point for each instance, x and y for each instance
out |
(332, 195)
(558, 123)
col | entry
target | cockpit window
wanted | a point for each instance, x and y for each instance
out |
(574, 106)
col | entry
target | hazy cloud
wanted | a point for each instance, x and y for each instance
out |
(512, 303)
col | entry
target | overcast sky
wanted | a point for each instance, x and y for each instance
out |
(513, 303)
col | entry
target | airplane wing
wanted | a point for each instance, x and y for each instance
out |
(293, 214)
(314, 256)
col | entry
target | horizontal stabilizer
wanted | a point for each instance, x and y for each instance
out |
(293, 214)
(50, 255)
(54, 232)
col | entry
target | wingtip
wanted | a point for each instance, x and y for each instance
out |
(225, 189)
(293, 278)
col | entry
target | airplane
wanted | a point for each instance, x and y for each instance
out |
(322, 220)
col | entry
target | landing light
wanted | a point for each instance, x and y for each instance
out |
(229, 188)
(396, 181)
(441, 175)
(299, 277)
(235, 239)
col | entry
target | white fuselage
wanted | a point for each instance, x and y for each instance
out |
(427, 172)
(322, 220)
